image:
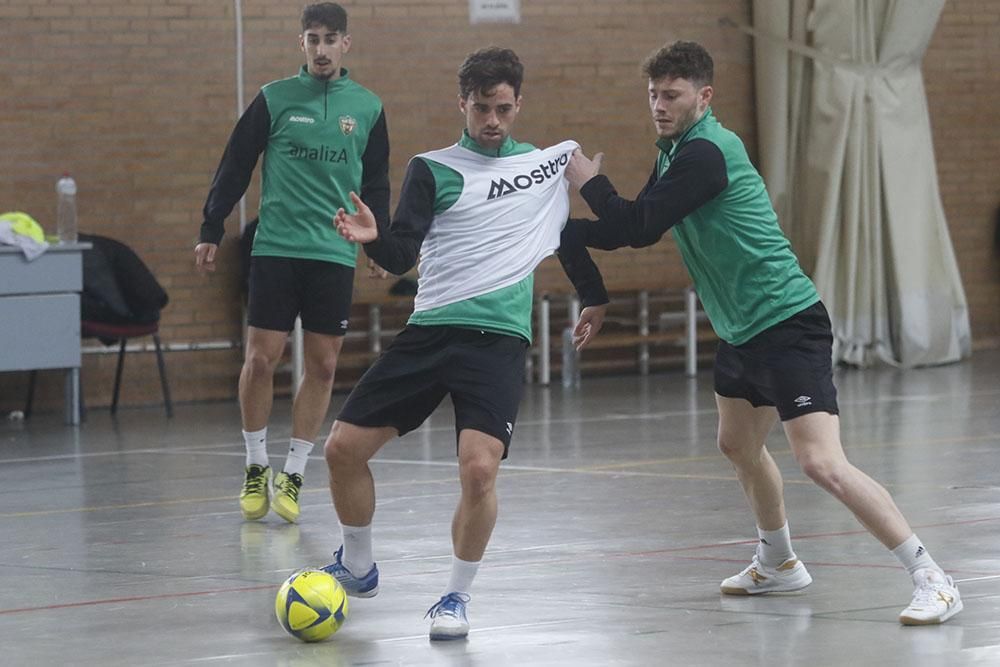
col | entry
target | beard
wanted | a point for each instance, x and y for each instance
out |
(680, 125)
(323, 72)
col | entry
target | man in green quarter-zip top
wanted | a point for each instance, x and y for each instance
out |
(322, 136)
(774, 359)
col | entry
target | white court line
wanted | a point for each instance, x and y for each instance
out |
(116, 452)
(238, 657)
(433, 429)
(234, 448)
(989, 578)
(611, 417)
(916, 398)
(387, 640)
(478, 631)
(404, 462)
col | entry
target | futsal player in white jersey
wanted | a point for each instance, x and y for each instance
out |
(481, 215)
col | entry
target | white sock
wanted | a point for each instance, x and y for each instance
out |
(256, 442)
(462, 574)
(357, 556)
(775, 546)
(298, 455)
(913, 556)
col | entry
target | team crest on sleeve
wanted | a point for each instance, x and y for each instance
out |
(347, 124)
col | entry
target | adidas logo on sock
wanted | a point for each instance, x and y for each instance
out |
(920, 551)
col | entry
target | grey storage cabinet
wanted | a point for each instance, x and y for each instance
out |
(40, 314)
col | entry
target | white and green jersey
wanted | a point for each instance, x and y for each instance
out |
(506, 220)
(481, 222)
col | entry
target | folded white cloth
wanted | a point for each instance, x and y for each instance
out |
(29, 246)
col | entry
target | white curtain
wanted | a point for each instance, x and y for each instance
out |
(847, 155)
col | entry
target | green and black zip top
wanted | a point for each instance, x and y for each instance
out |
(321, 140)
(707, 192)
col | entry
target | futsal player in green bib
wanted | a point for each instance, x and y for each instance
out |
(481, 214)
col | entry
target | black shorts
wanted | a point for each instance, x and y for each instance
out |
(788, 366)
(283, 288)
(483, 372)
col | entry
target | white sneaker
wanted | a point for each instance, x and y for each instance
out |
(757, 578)
(935, 599)
(448, 618)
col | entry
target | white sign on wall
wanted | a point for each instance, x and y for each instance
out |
(494, 11)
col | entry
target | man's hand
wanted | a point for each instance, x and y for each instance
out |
(376, 271)
(590, 322)
(359, 227)
(581, 168)
(204, 257)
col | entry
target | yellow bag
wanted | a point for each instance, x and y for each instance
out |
(24, 224)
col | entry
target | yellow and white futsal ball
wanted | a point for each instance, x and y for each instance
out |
(311, 605)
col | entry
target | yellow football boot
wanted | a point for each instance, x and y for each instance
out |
(256, 492)
(286, 495)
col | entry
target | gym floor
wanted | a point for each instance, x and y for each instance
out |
(123, 543)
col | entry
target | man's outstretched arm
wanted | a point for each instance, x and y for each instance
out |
(589, 284)
(696, 175)
(397, 247)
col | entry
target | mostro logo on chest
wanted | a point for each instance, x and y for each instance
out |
(543, 172)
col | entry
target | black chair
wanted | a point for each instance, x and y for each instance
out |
(121, 300)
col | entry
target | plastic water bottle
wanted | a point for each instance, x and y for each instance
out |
(570, 360)
(66, 209)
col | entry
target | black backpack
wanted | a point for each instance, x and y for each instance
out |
(118, 288)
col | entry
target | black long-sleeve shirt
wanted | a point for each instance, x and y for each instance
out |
(695, 176)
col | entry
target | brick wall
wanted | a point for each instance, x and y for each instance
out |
(137, 98)
(962, 77)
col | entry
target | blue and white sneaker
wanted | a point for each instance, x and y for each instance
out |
(448, 619)
(358, 587)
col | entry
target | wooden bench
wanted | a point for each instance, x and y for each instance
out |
(678, 324)
(362, 344)
(652, 325)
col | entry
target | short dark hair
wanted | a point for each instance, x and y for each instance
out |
(485, 69)
(327, 14)
(680, 60)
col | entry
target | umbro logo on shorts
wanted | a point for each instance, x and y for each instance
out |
(803, 401)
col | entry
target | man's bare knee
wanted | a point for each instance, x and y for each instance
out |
(323, 371)
(825, 471)
(339, 451)
(478, 479)
(737, 449)
(258, 364)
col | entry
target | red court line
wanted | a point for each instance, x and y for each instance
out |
(819, 563)
(796, 537)
(653, 552)
(137, 598)
(717, 545)
(863, 531)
